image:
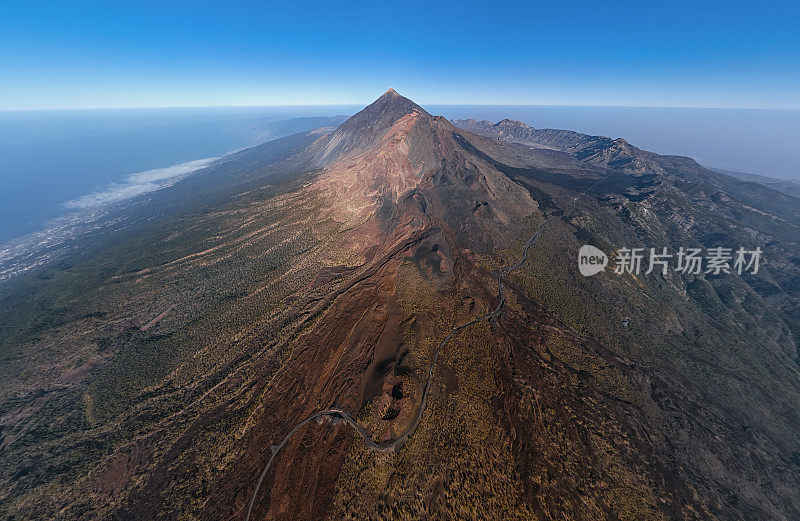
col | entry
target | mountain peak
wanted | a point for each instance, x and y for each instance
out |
(505, 129)
(511, 123)
(391, 104)
(367, 127)
(387, 109)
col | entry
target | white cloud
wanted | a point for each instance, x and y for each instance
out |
(138, 184)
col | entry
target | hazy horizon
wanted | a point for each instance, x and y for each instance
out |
(102, 155)
(362, 105)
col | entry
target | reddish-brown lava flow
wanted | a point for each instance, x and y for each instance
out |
(340, 415)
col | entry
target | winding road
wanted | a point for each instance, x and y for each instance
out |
(397, 444)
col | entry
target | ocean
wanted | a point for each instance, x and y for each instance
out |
(51, 162)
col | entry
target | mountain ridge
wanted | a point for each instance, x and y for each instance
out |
(322, 271)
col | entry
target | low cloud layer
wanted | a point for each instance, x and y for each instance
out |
(138, 184)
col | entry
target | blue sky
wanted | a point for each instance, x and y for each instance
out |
(134, 54)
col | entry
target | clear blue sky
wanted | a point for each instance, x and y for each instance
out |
(73, 54)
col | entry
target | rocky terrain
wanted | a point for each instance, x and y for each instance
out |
(151, 374)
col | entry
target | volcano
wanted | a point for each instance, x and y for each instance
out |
(387, 320)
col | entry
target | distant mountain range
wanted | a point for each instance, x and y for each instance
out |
(591, 148)
(226, 350)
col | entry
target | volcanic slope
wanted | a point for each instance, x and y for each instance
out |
(322, 271)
